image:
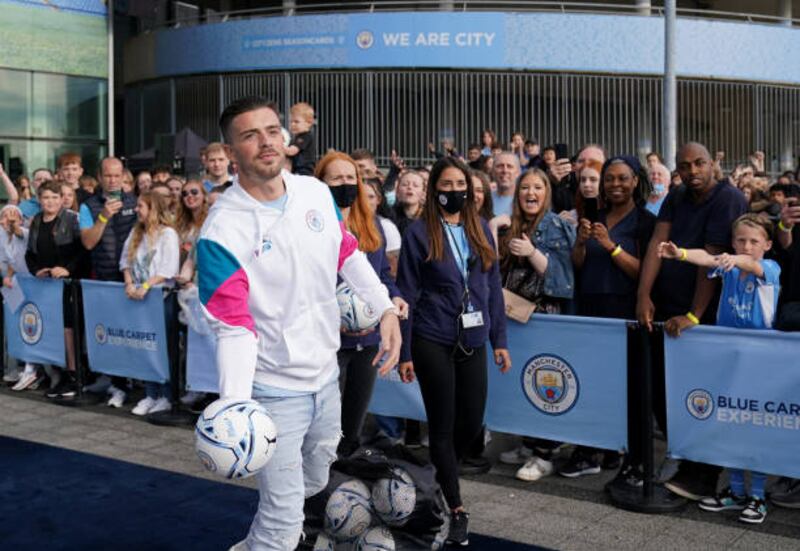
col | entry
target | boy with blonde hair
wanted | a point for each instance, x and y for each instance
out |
(301, 149)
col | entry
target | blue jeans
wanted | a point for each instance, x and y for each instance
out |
(156, 390)
(309, 428)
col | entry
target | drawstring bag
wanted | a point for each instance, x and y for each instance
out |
(424, 528)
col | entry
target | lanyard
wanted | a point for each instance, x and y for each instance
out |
(463, 267)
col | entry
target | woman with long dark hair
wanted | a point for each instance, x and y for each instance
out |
(356, 372)
(449, 274)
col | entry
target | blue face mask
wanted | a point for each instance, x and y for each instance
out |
(658, 189)
(391, 198)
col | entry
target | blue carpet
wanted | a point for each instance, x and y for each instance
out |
(57, 499)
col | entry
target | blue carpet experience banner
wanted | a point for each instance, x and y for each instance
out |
(567, 382)
(394, 398)
(733, 398)
(201, 361)
(35, 332)
(125, 337)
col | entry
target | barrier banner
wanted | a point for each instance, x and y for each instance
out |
(568, 382)
(201, 362)
(125, 337)
(394, 398)
(733, 398)
(35, 331)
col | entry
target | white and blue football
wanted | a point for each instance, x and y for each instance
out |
(378, 538)
(356, 315)
(348, 512)
(235, 438)
(394, 499)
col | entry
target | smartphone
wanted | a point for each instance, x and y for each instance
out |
(590, 209)
(562, 151)
(115, 195)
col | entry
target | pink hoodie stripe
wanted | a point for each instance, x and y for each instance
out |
(228, 303)
(349, 244)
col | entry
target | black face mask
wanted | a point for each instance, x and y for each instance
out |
(451, 201)
(344, 195)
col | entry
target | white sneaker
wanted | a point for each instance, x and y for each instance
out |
(11, 377)
(117, 398)
(534, 469)
(241, 546)
(26, 380)
(162, 404)
(100, 386)
(144, 406)
(517, 456)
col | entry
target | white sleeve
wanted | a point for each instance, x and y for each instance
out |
(393, 239)
(168, 257)
(362, 279)
(123, 259)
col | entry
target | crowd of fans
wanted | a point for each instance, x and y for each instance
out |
(579, 232)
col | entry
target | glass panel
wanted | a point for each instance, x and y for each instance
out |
(157, 116)
(68, 107)
(15, 102)
(23, 157)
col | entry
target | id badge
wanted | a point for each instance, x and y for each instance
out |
(472, 319)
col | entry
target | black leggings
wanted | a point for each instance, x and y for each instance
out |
(453, 388)
(356, 381)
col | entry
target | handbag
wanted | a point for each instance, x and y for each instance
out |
(517, 308)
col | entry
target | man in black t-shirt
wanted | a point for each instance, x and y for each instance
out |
(697, 214)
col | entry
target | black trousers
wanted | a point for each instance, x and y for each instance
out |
(356, 381)
(453, 385)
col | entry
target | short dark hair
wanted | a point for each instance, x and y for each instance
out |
(49, 185)
(243, 105)
(162, 168)
(474, 146)
(362, 153)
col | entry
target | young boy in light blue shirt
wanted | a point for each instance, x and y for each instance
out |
(749, 300)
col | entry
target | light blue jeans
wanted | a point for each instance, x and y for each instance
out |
(309, 428)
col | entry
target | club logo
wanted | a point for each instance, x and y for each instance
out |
(365, 40)
(700, 404)
(100, 334)
(315, 221)
(550, 384)
(30, 323)
(442, 199)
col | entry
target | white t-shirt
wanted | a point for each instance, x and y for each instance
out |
(393, 239)
(12, 252)
(153, 259)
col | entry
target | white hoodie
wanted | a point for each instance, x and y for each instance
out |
(267, 282)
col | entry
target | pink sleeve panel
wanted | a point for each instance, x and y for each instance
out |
(348, 246)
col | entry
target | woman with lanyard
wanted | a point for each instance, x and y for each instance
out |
(356, 372)
(449, 274)
(608, 253)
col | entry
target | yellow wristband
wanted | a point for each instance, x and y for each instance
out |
(617, 251)
(102, 218)
(145, 286)
(782, 227)
(691, 317)
(684, 256)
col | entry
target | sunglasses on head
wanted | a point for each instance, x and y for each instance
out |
(187, 192)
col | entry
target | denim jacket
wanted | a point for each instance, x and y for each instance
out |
(555, 238)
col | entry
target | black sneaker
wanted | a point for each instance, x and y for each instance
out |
(726, 500)
(459, 531)
(65, 389)
(474, 466)
(611, 461)
(789, 497)
(685, 484)
(578, 466)
(755, 512)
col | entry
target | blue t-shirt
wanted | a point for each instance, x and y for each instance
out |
(749, 302)
(459, 245)
(655, 207)
(85, 217)
(277, 204)
(502, 204)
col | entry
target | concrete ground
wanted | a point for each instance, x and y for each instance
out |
(554, 512)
